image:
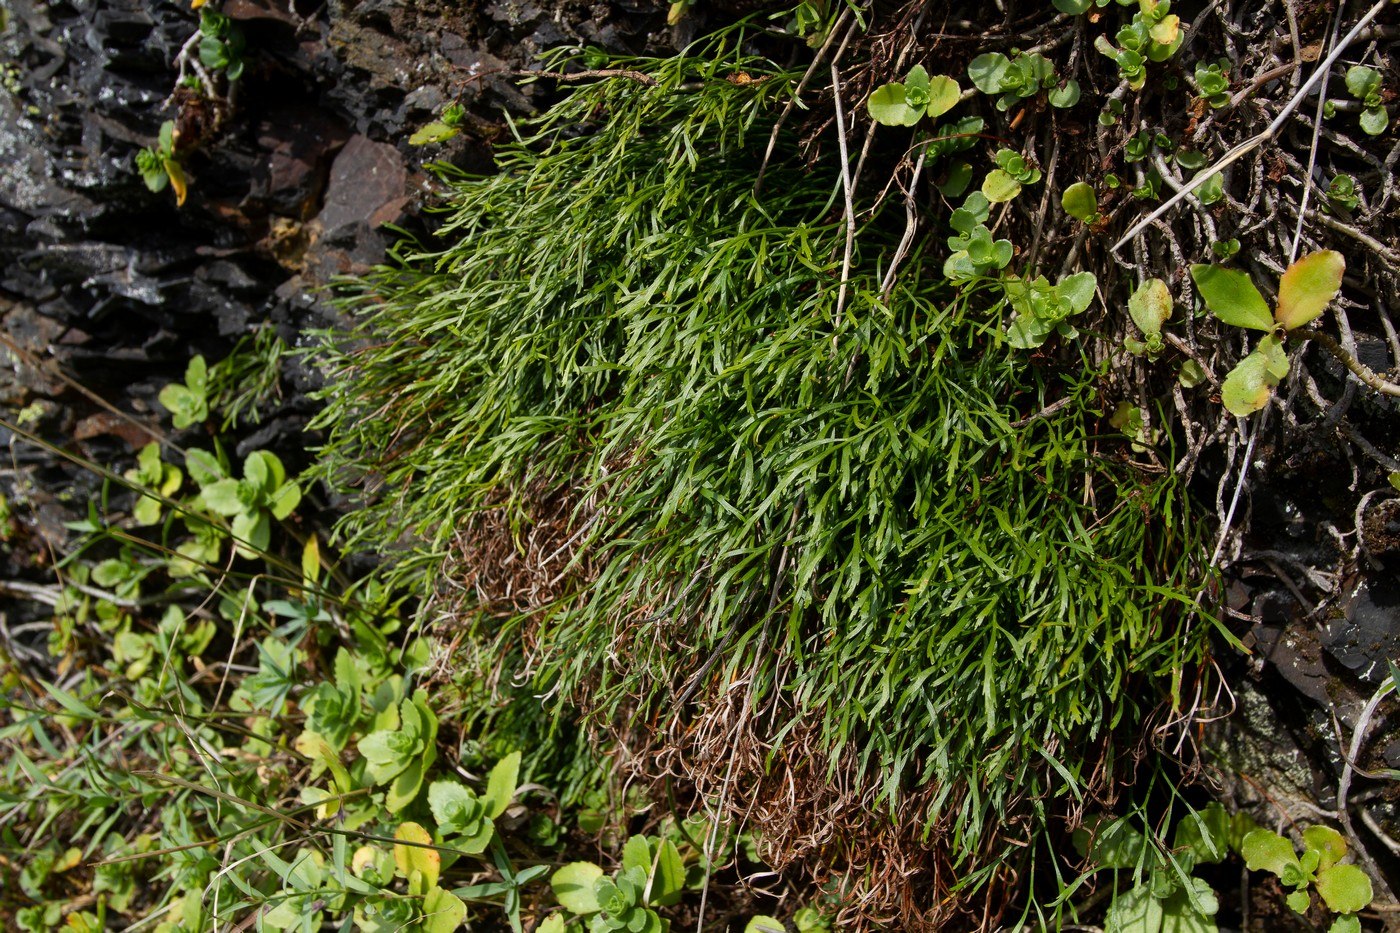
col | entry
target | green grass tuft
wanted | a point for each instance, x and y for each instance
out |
(851, 508)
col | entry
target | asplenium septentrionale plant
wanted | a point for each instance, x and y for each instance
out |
(1304, 291)
(562, 348)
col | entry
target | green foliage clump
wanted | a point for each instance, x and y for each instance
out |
(160, 165)
(1364, 84)
(905, 103)
(851, 490)
(1305, 289)
(1343, 887)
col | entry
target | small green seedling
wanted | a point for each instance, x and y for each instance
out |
(1005, 181)
(975, 253)
(1111, 113)
(1212, 189)
(1019, 77)
(951, 138)
(263, 494)
(444, 128)
(652, 875)
(1150, 305)
(334, 708)
(906, 103)
(1130, 419)
(1225, 249)
(188, 403)
(1139, 146)
(1080, 202)
(1191, 374)
(1345, 889)
(1342, 193)
(1214, 82)
(401, 754)
(152, 474)
(1365, 85)
(1209, 191)
(1043, 309)
(161, 166)
(1304, 291)
(466, 819)
(221, 44)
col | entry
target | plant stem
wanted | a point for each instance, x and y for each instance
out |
(1358, 368)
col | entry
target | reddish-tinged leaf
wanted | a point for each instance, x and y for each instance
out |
(1308, 286)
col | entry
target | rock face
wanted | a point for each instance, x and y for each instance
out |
(292, 178)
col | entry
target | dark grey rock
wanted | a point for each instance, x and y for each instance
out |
(1368, 634)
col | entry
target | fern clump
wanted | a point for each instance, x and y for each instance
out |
(927, 551)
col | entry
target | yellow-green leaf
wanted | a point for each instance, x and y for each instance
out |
(1345, 888)
(1267, 851)
(943, 93)
(1250, 384)
(403, 790)
(1308, 286)
(411, 858)
(1079, 201)
(177, 180)
(1232, 297)
(1165, 32)
(501, 784)
(1150, 306)
(573, 886)
(889, 105)
(443, 911)
(999, 187)
(668, 880)
(311, 560)
(432, 133)
(1329, 844)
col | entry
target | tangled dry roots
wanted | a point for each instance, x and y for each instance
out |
(812, 817)
(505, 564)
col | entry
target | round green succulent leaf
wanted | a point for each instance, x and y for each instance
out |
(889, 105)
(1345, 888)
